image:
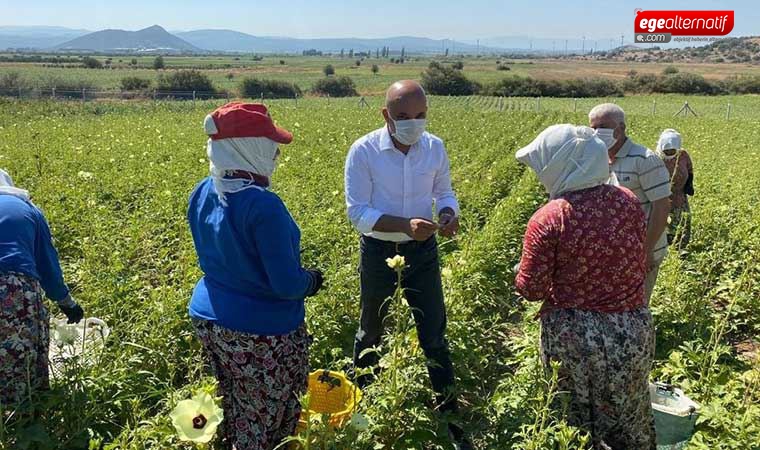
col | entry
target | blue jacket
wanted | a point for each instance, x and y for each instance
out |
(26, 246)
(250, 255)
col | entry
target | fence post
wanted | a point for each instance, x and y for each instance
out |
(654, 107)
(84, 94)
(154, 94)
(19, 92)
(295, 99)
(193, 96)
(328, 99)
(728, 112)
(261, 96)
(575, 105)
(53, 92)
(538, 104)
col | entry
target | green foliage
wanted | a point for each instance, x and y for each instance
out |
(256, 88)
(670, 70)
(185, 81)
(134, 84)
(335, 87)
(127, 254)
(329, 70)
(441, 80)
(89, 62)
(158, 63)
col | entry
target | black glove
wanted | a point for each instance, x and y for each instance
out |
(71, 309)
(317, 280)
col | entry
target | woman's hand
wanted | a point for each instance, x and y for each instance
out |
(71, 309)
(318, 281)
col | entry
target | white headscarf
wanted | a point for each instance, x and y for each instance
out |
(567, 158)
(8, 188)
(669, 139)
(251, 154)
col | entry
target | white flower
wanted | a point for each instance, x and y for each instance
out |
(396, 263)
(197, 419)
(359, 422)
(85, 175)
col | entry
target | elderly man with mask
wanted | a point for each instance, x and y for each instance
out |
(583, 258)
(393, 178)
(643, 172)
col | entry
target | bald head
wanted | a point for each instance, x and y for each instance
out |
(404, 100)
(403, 91)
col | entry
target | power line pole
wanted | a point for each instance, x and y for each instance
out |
(565, 47)
(583, 46)
(621, 39)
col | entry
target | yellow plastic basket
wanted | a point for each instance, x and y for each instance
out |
(332, 394)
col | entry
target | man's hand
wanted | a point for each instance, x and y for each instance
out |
(421, 229)
(448, 225)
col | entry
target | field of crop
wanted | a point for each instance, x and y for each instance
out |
(113, 180)
(304, 71)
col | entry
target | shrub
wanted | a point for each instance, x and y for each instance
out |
(502, 67)
(134, 84)
(440, 80)
(670, 70)
(254, 88)
(282, 62)
(375, 69)
(335, 87)
(158, 63)
(517, 86)
(11, 82)
(91, 63)
(742, 84)
(686, 83)
(185, 80)
(358, 62)
(328, 70)
(459, 65)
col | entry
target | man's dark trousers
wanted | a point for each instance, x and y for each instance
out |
(421, 281)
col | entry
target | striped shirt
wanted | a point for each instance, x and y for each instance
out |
(643, 172)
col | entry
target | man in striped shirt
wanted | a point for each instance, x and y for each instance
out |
(639, 169)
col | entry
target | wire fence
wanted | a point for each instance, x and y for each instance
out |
(724, 107)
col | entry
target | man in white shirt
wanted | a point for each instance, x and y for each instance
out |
(639, 169)
(394, 176)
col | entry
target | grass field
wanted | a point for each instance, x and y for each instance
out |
(304, 71)
(113, 179)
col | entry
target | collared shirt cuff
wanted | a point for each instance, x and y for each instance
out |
(448, 203)
(368, 220)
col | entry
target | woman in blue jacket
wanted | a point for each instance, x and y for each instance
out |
(248, 308)
(29, 268)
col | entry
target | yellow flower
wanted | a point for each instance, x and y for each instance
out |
(396, 263)
(196, 419)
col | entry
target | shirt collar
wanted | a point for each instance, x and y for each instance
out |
(625, 149)
(386, 143)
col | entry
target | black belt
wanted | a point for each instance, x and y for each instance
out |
(397, 246)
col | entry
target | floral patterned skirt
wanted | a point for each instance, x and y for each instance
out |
(260, 379)
(604, 374)
(24, 338)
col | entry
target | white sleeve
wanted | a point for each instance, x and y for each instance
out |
(358, 187)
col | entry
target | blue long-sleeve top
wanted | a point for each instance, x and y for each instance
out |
(249, 252)
(26, 246)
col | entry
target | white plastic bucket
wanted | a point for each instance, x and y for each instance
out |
(675, 415)
(80, 340)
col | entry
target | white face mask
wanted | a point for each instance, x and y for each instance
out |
(667, 157)
(409, 131)
(607, 135)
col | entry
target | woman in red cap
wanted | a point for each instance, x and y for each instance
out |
(248, 308)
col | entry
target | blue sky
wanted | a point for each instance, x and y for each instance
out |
(458, 19)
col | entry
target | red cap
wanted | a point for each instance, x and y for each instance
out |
(239, 120)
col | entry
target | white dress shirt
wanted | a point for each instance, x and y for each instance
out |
(381, 180)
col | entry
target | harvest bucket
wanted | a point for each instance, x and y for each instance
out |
(332, 394)
(81, 339)
(675, 415)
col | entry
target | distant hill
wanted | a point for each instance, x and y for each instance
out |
(36, 37)
(730, 50)
(154, 39)
(234, 41)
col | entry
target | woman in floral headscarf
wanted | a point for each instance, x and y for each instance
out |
(583, 257)
(678, 163)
